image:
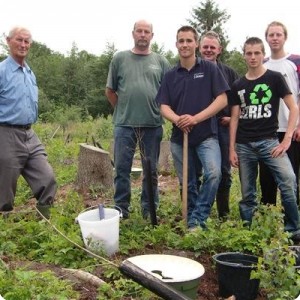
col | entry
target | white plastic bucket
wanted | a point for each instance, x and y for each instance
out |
(100, 234)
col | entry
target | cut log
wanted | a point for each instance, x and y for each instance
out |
(94, 168)
(85, 276)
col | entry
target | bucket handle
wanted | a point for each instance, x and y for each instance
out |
(119, 209)
(232, 264)
(237, 265)
(96, 206)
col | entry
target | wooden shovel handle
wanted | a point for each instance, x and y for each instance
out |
(185, 176)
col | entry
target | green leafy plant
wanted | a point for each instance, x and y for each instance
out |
(18, 284)
(23, 237)
(276, 266)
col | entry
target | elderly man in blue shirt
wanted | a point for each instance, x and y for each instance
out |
(21, 152)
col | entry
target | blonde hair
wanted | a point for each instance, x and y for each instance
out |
(276, 23)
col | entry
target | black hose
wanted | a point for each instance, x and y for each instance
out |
(150, 282)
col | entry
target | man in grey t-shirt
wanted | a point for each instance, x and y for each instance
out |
(133, 81)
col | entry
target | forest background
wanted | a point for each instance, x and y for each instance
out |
(71, 98)
(71, 87)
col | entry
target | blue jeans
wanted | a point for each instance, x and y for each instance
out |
(226, 181)
(267, 182)
(249, 155)
(125, 142)
(199, 202)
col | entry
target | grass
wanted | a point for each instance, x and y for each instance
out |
(23, 238)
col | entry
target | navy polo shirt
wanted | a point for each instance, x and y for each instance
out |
(189, 92)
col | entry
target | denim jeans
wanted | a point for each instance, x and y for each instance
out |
(125, 141)
(226, 179)
(249, 155)
(199, 202)
(267, 182)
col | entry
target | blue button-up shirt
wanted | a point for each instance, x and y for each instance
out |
(18, 93)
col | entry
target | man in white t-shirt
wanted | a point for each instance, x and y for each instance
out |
(288, 65)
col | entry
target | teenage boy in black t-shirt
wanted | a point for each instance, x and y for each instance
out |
(255, 102)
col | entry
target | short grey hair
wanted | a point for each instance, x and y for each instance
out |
(17, 29)
(211, 35)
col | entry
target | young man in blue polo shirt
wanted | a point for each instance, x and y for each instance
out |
(190, 95)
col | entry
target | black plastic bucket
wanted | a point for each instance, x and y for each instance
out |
(234, 269)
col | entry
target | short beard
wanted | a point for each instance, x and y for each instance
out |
(142, 44)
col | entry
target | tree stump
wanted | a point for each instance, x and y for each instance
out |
(165, 162)
(94, 168)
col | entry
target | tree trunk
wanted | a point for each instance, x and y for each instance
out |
(94, 168)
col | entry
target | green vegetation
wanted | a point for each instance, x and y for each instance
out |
(25, 238)
(73, 110)
(74, 84)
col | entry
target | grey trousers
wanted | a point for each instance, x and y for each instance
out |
(22, 153)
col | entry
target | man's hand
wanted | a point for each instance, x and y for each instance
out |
(233, 158)
(185, 121)
(224, 121)
(281, 148)
(296, 135)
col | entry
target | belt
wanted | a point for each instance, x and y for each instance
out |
(26, 127)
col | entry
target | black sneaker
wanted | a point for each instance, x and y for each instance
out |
(124, 213)
(146, 216)
(125, 216)
(7, 207)
(296, 238)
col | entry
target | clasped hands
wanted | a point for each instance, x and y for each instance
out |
(186, 123)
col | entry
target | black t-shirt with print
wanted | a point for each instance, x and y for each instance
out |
(259, 101)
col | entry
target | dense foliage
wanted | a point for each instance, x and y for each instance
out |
(25, 238)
